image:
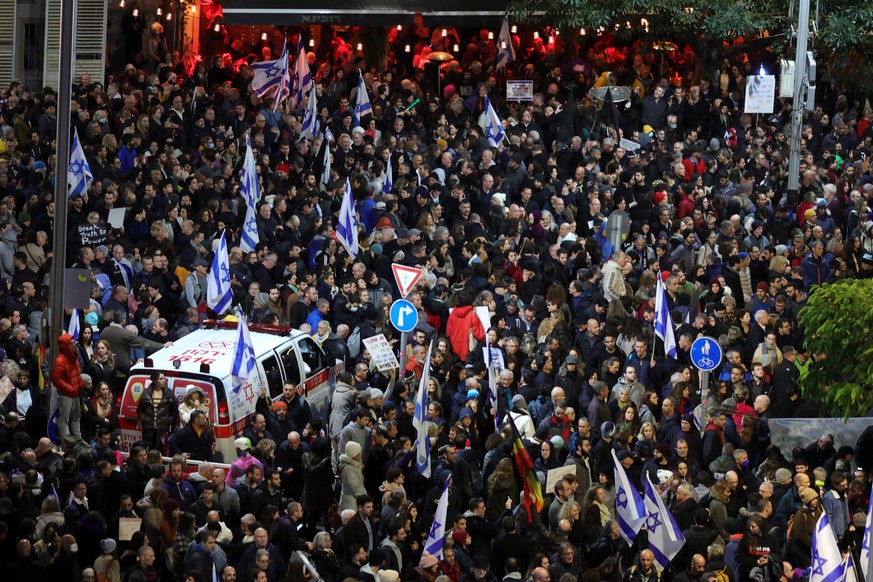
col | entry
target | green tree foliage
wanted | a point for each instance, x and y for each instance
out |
(838, 324)
(845, 29)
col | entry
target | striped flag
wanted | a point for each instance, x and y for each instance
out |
(347, 225)
(388, 184)
(309, 125)
(665, 537)
(362, 102)
(79, 177)
(244, 355)
(493, 127)
(75, 325)
(629, 507)
(271, 78)
(218, 291)
(533, 494)
(420, 422)
(827, 561)
(436, 537)
(663, 321)
(506, 54)
(325, 160)
(251, 191)
(302, 76)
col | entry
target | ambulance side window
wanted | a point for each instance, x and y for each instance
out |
(292, 367)
(274, 376)
(312, 356)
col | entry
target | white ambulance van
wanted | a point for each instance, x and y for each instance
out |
(204, 359)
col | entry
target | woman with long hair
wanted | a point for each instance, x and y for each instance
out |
(323, 557)
(594, 509)
(758, 549)
(502, 485)
(104, 367)
(100, 411)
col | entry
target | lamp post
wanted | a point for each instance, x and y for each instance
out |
(801, 81)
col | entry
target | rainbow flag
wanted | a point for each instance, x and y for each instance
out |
(533, 494)
(39, 356)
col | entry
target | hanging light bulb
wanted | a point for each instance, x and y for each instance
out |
(121, 4)
(513, 29)
(536, 34)
(193, 9)
(582, 31)
(135, 13)
(503, 45)
(311, 43)
(456, 48)
(407, 49)
(263, 36)
(169, 16)
(217, 28)
(557, 33)
(490, 36)
(551, 39)
(360, 46)
(444, 32)
(159, 11)
(399, 27)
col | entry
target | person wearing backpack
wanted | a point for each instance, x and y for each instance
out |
(107, 567)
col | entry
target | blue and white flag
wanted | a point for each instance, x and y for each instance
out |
(243, 356)
(436, 537)
(251, 191)
(309, 125)
(271, 78)
(347, 224)
(75, 325)
(388, 184)
(663, 321)
(665, 537)
(493, 128)
(865, 544)
(420, 422)
(849, 568)
(827, 561)
(362, 102)
(629, 507)
(79, 177)
(302, 76)
(218, 292)
(215, 577)
(506, 52)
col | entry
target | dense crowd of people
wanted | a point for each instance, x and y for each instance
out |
(520, 228)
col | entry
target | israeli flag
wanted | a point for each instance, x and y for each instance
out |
(251, 191)
(75, 325)
(849, 567)
(271, 77)
(506, 54)
(325, 161)
(218, 292)
(347, 225)
(629, 507)
(493, 127)
(436, 537)
(79, 177)
(827, 561)
(244, 355)
(362, 101)
(865, 545)
(663, 321)
(302, 76)
(309, 125)
(420, 422)
(388, 184)
(665, 537)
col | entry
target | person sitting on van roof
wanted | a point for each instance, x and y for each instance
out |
(257, 430)
(194, 438)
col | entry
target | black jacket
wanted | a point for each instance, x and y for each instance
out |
(186, 440)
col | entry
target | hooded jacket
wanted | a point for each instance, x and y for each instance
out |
(66, 374)
(462, 320)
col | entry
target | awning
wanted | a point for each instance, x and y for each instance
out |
(364, 12)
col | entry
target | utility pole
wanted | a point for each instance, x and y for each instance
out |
(804, 97)
(67, 46)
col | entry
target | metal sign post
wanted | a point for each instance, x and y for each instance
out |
(706, 356)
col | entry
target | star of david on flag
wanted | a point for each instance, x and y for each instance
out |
(630, 510)
(493, 127)
(218, 291)
(251, 191)
(665, 537)
(272, 77)
(827, 561)
(244, 355)
(436, 537)
(347, 225)
(79, 177)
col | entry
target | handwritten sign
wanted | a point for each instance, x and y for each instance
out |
(760, 94)
(519, 91)
(555, 475)
(381, 354)
(127, 526)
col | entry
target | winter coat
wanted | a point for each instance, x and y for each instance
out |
(461, 321)
(343, 401)
(318, 479)
(352, 482)
(66, 374)
(160, 416)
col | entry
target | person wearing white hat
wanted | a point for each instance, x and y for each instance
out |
(107, 564)
(350, 464)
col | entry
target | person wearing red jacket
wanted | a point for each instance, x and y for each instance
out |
(67, 380)
(462, 322)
